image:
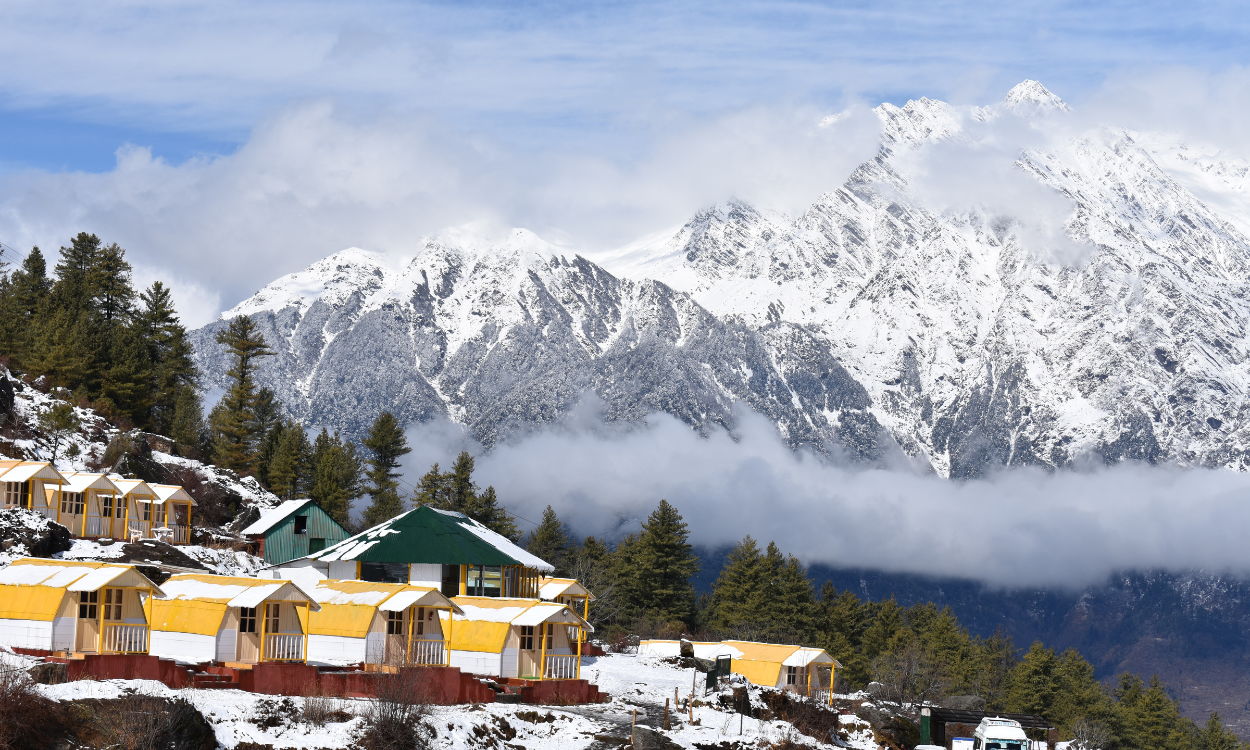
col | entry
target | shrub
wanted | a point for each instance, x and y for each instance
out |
(396, 718)
(28, 721)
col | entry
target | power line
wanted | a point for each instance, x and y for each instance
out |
(10, 249)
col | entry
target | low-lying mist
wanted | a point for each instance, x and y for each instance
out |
(1019, 527)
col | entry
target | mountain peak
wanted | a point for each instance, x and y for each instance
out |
(1030, 93)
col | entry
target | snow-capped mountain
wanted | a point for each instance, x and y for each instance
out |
(1089, 300)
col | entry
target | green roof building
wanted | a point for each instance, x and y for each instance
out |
(428, 547)
(294, 529)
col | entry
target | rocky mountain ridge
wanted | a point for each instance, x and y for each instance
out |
(1095, 311)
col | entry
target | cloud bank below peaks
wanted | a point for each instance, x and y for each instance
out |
(1018, 528)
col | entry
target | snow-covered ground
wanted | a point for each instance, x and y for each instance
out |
(636, 684)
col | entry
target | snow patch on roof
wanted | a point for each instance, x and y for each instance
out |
(272, 517)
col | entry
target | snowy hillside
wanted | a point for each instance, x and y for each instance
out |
(1097, 310)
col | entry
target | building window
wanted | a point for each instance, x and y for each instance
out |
(792, 675)
(17, 494)
(113, 605)
(108, 507)
(301, 524)
(71, 503)
(527, 637)
(551, 634)
(394, 623)
(247, 619)
(147, 511)
(120, 510)
(421, 620)
(376, 572)
(271, 620)
(316, 544)
(87, 601)
(451, 580)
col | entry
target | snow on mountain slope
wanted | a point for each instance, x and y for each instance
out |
(1096, 310)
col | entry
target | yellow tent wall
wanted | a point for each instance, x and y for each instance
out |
(30, 602)
(346, 620)
(187, 616)
(471, 635)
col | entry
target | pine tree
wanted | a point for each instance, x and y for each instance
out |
(1215, 737)
(266, 449)
(235, 427)
(72, 290)
(288, 471)
(63, 348)
(1079, 696)
(841, 626)
(793, 603)
(486, 510)
(885, 624)
(187, 427)
(58, 423)
(173, 366)
(386, 444)
(27, 291)
(456, 491)
(550, 541)
(660, 565)
(112, 296)
(737, 587)
(1033, 685)
(127, 381)
(432, 489)
(336, 476)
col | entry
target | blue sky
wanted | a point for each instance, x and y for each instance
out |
(78, 80)
(225, 144)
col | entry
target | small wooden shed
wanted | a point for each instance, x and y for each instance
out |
(75, 607)
(294, 529)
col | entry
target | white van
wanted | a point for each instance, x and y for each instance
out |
(999, 734)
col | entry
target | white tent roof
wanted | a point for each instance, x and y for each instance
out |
(804, 656)
(81, 577)
(80, 481)
(272, 517)
(235, 591)
(167, 492)
(131, 486)
(32, 470)
(553, 587)
(424, 597)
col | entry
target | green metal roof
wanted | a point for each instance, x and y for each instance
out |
(424, 535)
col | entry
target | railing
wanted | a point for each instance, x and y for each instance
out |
(125, 639)
(284, 647)
(181, 535)
(560, 668)
(47, 511)
(97, 526)
(426, 652)
(135, 527)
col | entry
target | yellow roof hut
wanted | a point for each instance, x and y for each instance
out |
(235, 621)
(171, 513)
(27, 484)
(808, 671)
(391, 624)
(516, 638)
(71, 606)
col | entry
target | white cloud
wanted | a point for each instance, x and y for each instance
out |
(315, 178)
(1017, 528)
